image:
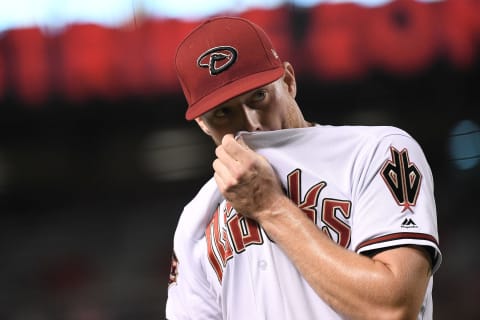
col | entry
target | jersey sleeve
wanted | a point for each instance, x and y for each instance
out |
(190, 294)
(395, 203)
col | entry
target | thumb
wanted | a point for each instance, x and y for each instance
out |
(241, 142)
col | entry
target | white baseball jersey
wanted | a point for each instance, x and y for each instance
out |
(367, 188)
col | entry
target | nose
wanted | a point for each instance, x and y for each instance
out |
(251, 119)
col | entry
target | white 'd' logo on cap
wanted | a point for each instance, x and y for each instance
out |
(217, 59)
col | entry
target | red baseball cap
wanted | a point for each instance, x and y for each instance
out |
(222, 58)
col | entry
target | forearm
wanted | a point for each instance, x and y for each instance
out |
(354, 285)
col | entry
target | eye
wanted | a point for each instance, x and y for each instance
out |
(259, 95)
(221, 112)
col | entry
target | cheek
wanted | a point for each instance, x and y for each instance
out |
(217, 135)
(292, 118)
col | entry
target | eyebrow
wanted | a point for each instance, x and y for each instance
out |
(249, 93)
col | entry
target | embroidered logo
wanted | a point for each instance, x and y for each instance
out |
(173, 270)
(218, 59)
(402, 178)
(409, 223)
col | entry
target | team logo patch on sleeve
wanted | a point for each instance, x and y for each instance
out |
(403, 178)
(172, 279)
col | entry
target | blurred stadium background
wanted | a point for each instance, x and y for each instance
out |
(97, 161)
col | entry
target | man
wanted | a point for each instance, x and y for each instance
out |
(300, 221)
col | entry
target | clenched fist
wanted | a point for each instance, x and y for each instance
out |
(245, 178)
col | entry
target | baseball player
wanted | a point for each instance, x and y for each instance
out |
(300, 220)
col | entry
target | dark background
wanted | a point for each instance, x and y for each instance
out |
(91, 189)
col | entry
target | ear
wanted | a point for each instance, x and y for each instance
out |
(202, 125)
(289, 79)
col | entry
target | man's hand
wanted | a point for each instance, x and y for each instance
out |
(245, 178)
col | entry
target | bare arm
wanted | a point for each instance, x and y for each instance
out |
(390, 285)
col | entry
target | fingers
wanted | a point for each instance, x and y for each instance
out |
(220, 183)
(242, 143)
(224, 160)
(235, 155)
(233, 162)
(222, 170)
(235, 148)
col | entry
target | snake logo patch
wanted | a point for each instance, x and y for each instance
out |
(402, 178)
(217, 59)
(172, 279)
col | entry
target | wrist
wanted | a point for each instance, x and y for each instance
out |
(280, 216)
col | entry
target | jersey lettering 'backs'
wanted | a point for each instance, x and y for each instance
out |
(365, 193)
(239, 232)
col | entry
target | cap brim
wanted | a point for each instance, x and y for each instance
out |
(232, 90)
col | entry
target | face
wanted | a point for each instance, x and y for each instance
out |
(271, 107)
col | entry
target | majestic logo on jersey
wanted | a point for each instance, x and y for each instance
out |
(402, 178)
(409, 223)
(229, 233)
(217, 59)
(173, 270)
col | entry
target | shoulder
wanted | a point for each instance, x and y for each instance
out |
(372, 136)
(364, 140)
(370, 132)
(197, 213)
(189, 237)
